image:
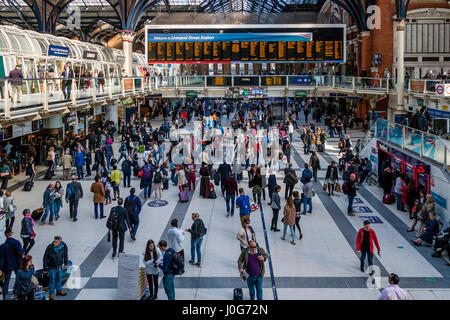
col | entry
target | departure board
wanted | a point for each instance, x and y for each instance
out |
(245, 43)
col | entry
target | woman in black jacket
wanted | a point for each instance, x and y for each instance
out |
(27, 233)
(411, 196)
(197, 231)
(256, 184)
(387, 181)
(331, 177)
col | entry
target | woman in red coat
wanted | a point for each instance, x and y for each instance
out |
(364, 243)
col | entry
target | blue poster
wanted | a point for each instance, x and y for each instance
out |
(372, 219)
(305, 80)
(58, 51)
(207, 37)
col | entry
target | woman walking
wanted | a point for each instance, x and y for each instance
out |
(289, 219)
(298, 213)
(158, 177)
(58, 203)
(331, 177)
(246, 234)
(27, 233)
(9, 208)
(256, 185)
(181, 177)
(276, 206)
(204, 182)
(423, 216)
(152, 256)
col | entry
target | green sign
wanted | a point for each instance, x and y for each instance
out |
(246, 92)
(301, 94)
(127, 101)
(191, 94)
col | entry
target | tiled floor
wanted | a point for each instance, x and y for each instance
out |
(323, 265)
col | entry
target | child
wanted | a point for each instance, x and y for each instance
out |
(108, 189)
(298, 212)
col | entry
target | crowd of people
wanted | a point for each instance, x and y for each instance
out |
(142, 153)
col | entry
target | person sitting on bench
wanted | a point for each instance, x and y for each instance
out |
(442, 243)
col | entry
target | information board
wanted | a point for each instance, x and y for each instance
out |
(245, 43)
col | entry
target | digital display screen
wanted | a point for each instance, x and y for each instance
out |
(246, 92)
(308, 43)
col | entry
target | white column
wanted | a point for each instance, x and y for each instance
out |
(400, 29)
(112, 114)
(127, 42)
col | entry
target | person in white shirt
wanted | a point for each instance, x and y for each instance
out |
(393, 292)
(291, 131)
(152, 256)
(175, 238)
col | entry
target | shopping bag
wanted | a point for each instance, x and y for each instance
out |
(337, 187)
(324, 188)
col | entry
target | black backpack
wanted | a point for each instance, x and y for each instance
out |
(158, 177)
(129, 206)
(177, 263)
(113, 220)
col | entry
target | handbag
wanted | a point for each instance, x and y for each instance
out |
(337, 187)
(25, 288)
(324, 188)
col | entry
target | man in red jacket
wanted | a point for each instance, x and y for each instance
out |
(364, 244)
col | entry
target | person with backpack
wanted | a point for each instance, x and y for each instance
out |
(314, 163)
(251, 260)
(175, 238)
(74, 192)
(349, 188)
(167, 266)
(158, 177)
(246, 234)
(55, 258)
(290, 179)
(9, 208)
(116, 177)
(306, 173)
(152, 256)
(147, 179)
(133, 206)
(123, 152)
(98, 189)
(118, 223)
(126, 168)
(197, 231)
(276, 206)
(243, 204)
(11, 253)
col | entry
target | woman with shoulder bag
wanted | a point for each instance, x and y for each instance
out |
(289, 219)
(9, 207)
(422, 209)
(152, 256)
(26, 283)
(58, 203)
(256, 185)
(246, 234)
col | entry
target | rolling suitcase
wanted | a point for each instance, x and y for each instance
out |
(166, 184)
(183, 196)
(212, 194)
(48, 175)
(113, 162)
(388, 198)
(28, 186)
(238, 294)
(37, 214)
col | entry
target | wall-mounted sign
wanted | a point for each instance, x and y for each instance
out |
(120, 59)
(191, 94)
(443, 89)
(89, 55)
(58, 51)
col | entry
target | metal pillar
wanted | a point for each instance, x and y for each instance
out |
(400, 29)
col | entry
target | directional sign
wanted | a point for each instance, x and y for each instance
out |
(440, 89)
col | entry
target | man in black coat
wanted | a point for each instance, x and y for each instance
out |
(67, 76)
(123, 224)
(100, 160)
(11, 252)
(55, 258)
(73, 197)
(224, 171)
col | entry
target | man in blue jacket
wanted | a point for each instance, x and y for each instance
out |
(109, 153)
(136, 202)
(79, 163)
(11, 253)
(168, 276)
(48, 203)
(126, 169)
(306, 173)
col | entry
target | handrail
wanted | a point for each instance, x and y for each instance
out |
(424, 144)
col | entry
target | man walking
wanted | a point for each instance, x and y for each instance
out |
(252, 261)
(224, 171)
(351, 193)
(168, 276)
(290, 179)
(66, 85)
(231, 192)
(15, 78)
(74, 192)
(133, 206)
(175, 238)
(67, 164)
(100, 161)
(243, 203)
(122, 225)
(197, 231)
(11, 252)
(98, 189)
(55, 257)
(364, 244)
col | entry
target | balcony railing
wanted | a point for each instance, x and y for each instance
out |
(419, 142)
(47, 94)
